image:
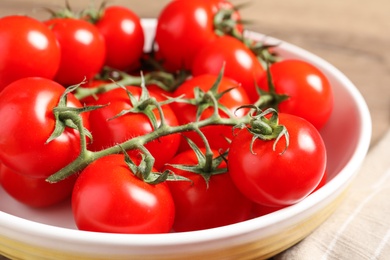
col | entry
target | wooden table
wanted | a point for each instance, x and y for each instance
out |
(353, 35)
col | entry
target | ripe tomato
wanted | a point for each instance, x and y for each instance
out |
(108, 197)
(240, 63)
(27, 48)
(183, 28)
(26, 111)
(35, 192)
(108, 131)
(273, 179)
(83, 49)
(124, 37)
(310, 93)
(215, 134)
(201, 206)
(260, 210)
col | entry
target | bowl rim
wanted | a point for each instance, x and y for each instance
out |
(28, 230)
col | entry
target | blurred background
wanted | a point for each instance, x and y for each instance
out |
(353, 35)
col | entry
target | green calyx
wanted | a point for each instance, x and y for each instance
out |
(69, 116)
(224, 24)
(207, 165)
(270, 98)
(264, 125)
(144, 170)
(209, 99)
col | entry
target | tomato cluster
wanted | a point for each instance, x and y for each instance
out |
(207, 129)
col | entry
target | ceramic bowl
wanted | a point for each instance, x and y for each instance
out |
(27, 233)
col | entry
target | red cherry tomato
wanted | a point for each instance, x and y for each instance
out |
(124, 37)
(26, 111)
(240, 63)
(83, 49)
(27, 49)
(183, 28)
(108, 197)
(260, 210)
(273, 178)
(310, 93)
(35, 192)
(199, 206)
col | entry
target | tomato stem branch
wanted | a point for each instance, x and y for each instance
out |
(86, 157)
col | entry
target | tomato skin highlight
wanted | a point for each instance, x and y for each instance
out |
(200, 207)
(176, 45)
(310, 92)
(83, 50)
(35, 192)
(26, 110)
(27, 49)
(273, 179)
(124, 37)
(108, 197)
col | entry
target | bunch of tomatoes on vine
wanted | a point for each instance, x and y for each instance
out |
(204, 128)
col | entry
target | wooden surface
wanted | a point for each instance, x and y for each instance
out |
(353, 35)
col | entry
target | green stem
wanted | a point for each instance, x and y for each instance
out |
(208, 153)
(83, 92)
(86, 157)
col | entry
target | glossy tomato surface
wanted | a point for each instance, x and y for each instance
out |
(309, 91)
(27, 49)
(183, 28)
(201, 205)
(108, 197)
(26, 110)
(239, 63)
(279, 177)
(35, 192)
(83, 50)
(124, 37)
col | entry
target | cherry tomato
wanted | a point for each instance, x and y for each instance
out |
(260, 210)
(35, 192)
(310, 93)
(108, 197)
(183, 28)
(83, 49)
(124, 37)
(271, 177)
(26, 111)
(27, 48)
(201, 206)
(108, 130)
(217, 135)
(240, 63)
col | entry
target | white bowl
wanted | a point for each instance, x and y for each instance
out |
(51, 234)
